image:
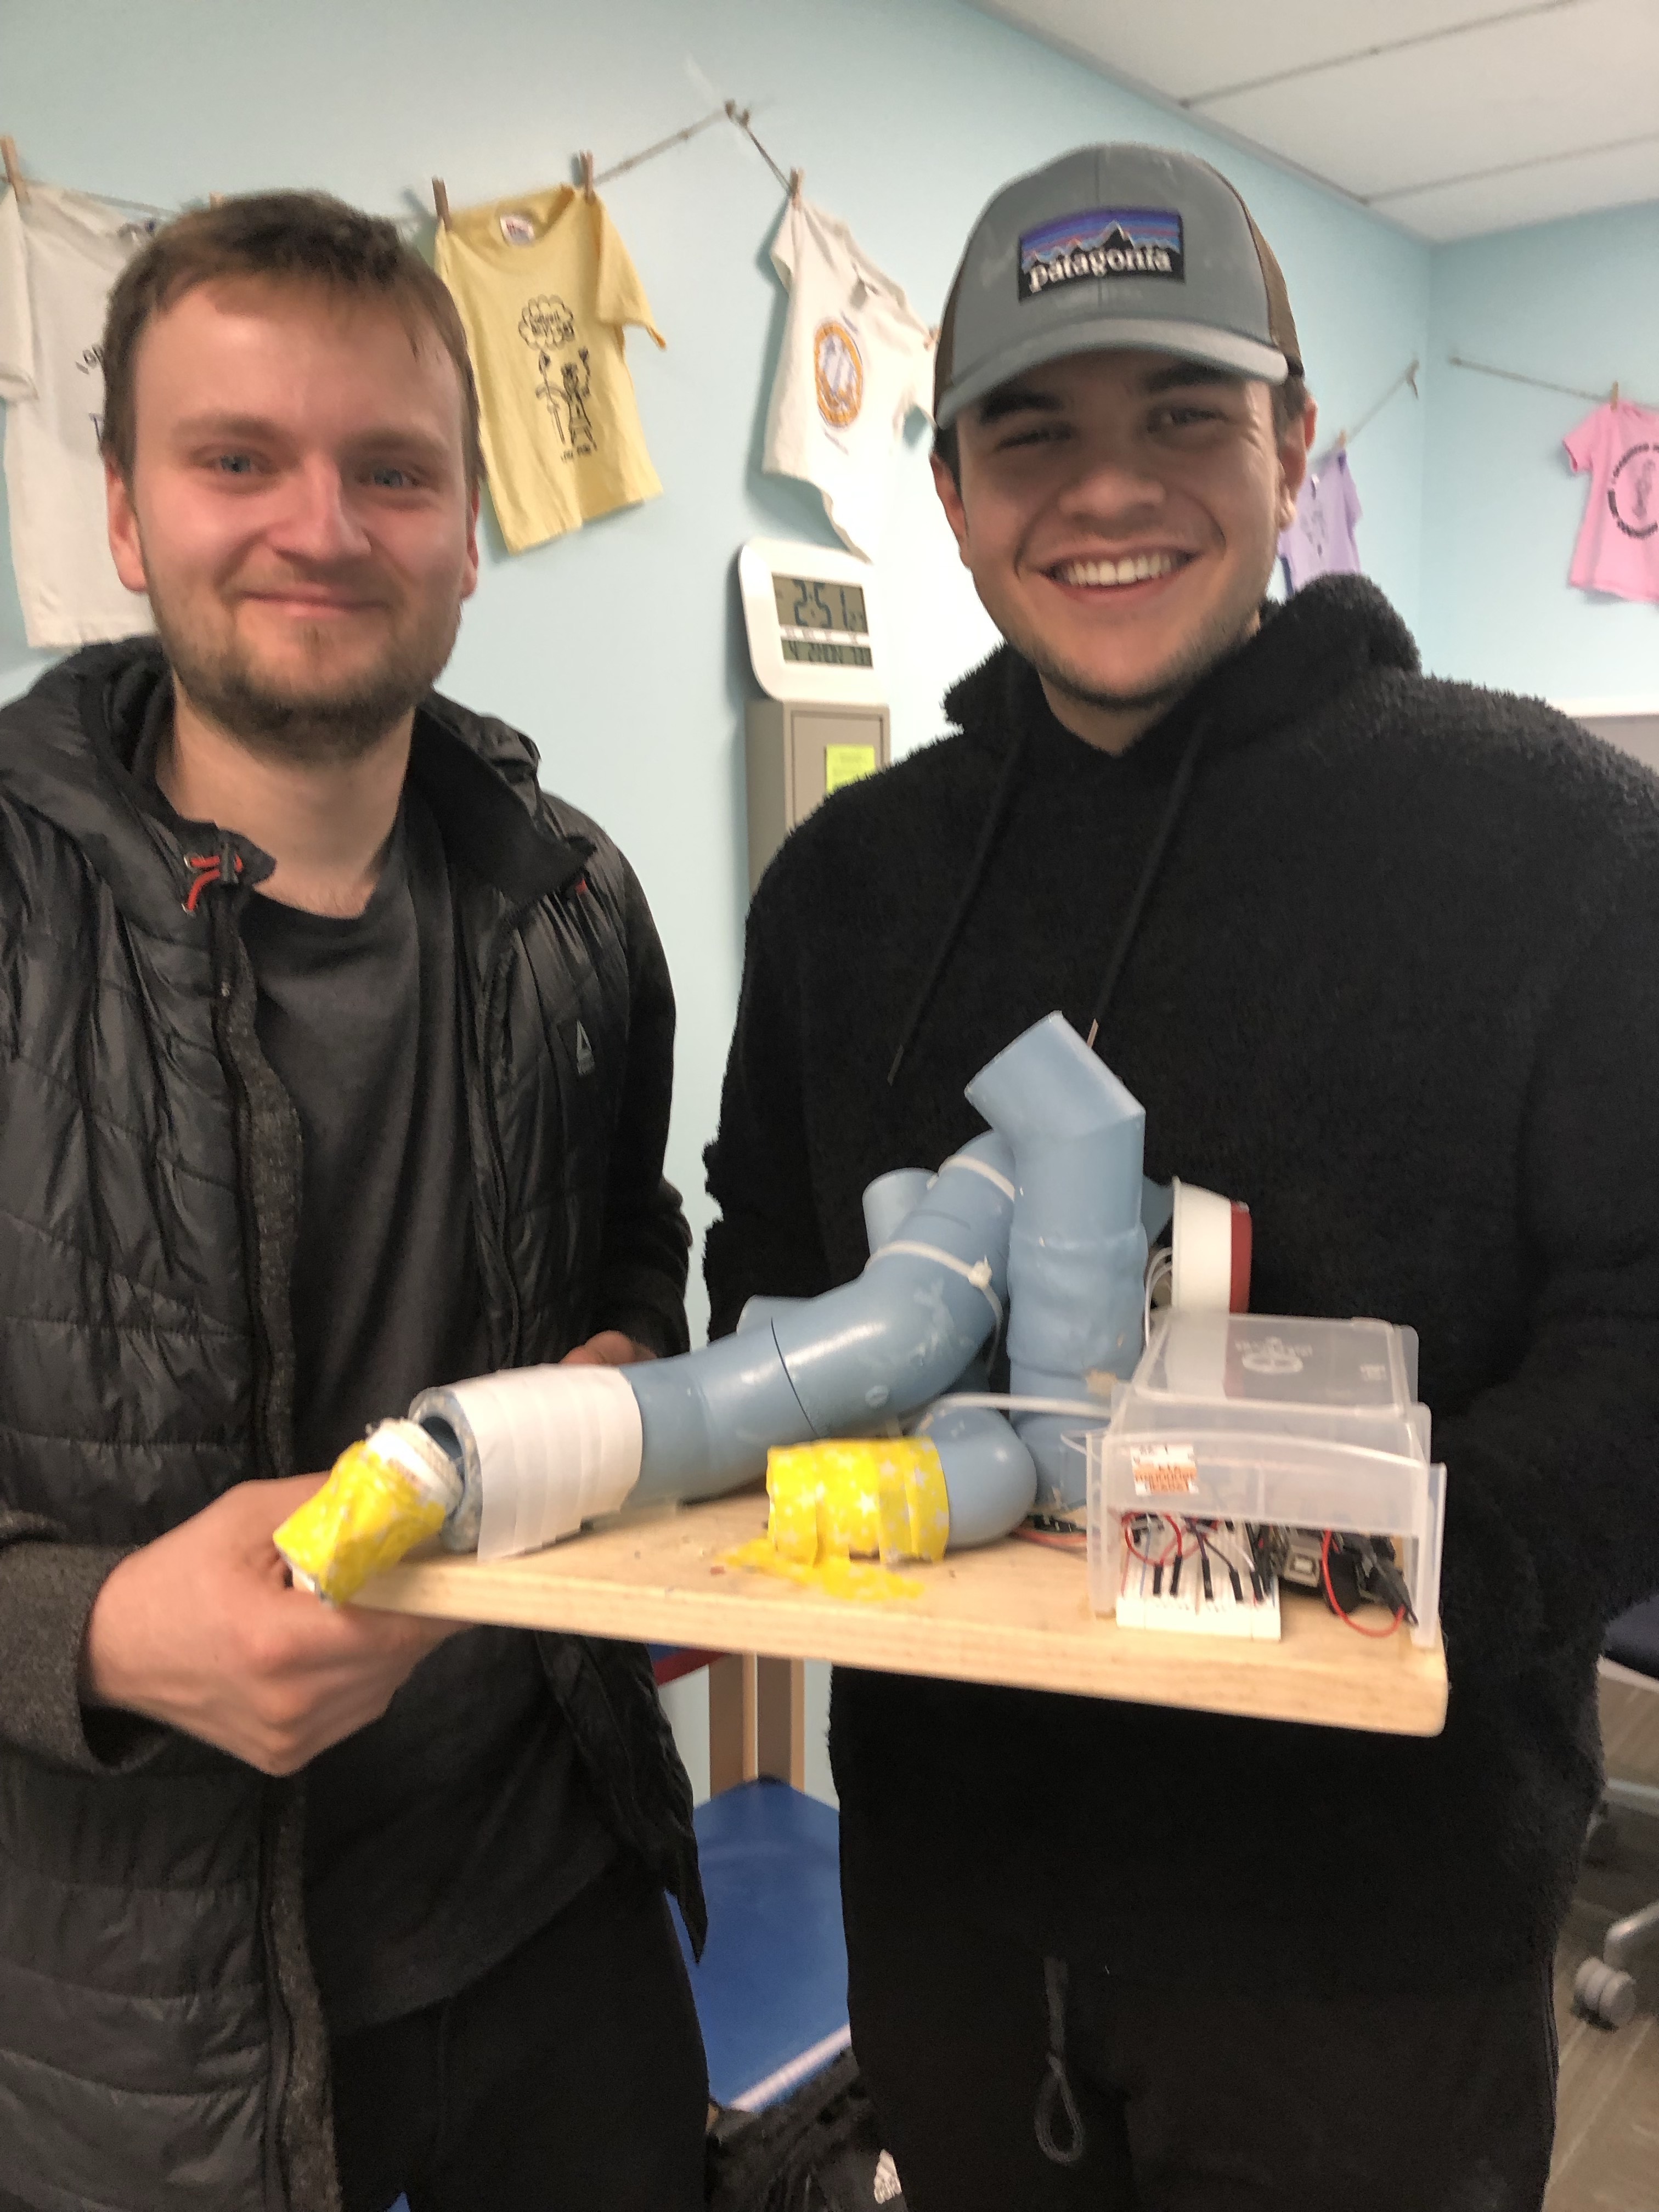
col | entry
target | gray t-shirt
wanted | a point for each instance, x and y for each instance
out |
(447, 1833)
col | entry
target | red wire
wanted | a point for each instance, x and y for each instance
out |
(1053, 1538)
(1336, 1603)
(1163, 1558)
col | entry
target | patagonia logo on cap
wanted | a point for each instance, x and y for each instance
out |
(1101, 242)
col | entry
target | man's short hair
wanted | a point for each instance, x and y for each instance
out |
(1290, 406)
(287, 238)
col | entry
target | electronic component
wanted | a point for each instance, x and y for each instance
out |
(1345, 1568)
(1307, 1433)
(1195, 1577)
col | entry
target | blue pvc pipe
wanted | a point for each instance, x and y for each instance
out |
(1048, 1205)
(873, 1350)
(989, 1474)
(888, 1202)
(1077, 1259)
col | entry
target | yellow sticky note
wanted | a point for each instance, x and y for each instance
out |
(846, 764)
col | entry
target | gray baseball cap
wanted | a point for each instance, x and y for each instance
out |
(1109, 246)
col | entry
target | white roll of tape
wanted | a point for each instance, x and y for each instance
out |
(547, 1447)
(1209, 1252)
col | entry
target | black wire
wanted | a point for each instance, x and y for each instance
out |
(1149, 874)
(993, 821)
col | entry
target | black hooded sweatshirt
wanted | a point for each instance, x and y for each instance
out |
(1396, 986)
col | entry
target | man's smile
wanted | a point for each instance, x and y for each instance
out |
(1104, 572)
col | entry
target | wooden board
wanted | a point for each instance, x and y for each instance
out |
(1013, 1612)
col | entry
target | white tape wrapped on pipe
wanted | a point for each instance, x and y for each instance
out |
(1209, 1273)
(547, 1448)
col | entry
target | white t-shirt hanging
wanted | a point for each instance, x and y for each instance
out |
(857, 359)
(58, 256)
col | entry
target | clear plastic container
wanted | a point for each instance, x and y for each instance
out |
(1305, 1424)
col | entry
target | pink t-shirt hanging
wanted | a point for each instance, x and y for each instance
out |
(1617, 547)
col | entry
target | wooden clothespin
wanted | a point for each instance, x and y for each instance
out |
(587, 176)
(216, 199)
(1341, 441)
(13, 170)
(441, 201)
(795, 177)
(1615, 381)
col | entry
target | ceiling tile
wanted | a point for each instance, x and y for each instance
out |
(1449, 116)
(1185, 49)
(1498, 95)
(1619, 178)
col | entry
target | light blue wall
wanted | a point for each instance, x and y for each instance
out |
(619, 648)
(1577, 303)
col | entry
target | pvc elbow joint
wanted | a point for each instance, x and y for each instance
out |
(1077, 1261)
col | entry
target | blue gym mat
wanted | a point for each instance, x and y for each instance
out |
(771, 1990)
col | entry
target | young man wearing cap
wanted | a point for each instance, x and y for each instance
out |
(336, 1061)
(1380, 956)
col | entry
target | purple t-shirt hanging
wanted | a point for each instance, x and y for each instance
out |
(1320, 541)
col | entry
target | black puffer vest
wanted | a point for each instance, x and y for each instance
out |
(161, 2047)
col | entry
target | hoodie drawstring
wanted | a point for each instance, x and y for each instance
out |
(1149, 875)
(221, 867)
(1056, 2088)
(1001, 800)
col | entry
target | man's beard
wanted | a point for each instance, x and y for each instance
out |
(1193, 661)
(297, 722)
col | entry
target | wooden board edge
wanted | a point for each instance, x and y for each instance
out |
(1409, 1700)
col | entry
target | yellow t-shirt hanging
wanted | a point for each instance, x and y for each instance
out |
(546, 289)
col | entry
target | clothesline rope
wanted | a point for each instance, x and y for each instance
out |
(740, 117)
(663, 145)
(20, 185)
(1346, 437)
(728, 112)
(1539, 383)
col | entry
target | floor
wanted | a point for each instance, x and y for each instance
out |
(1607, 2144)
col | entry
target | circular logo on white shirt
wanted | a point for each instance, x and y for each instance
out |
(838, 371)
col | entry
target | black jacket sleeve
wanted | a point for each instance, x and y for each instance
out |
(767, 1239)
(648, 1241)
(47, 1591)
(1552, 1475)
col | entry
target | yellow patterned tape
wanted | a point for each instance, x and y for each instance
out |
(855, 1579)
(365, 1517)
(837, 1504)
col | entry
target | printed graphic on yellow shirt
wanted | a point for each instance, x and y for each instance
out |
(546, 290)
(548, 324)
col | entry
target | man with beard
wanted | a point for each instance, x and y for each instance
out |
(337, 1063)
(1380, 956)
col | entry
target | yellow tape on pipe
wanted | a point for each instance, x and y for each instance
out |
(838, 1503)
(367, 1515)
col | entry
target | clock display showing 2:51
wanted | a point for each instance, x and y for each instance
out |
(804, 603)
